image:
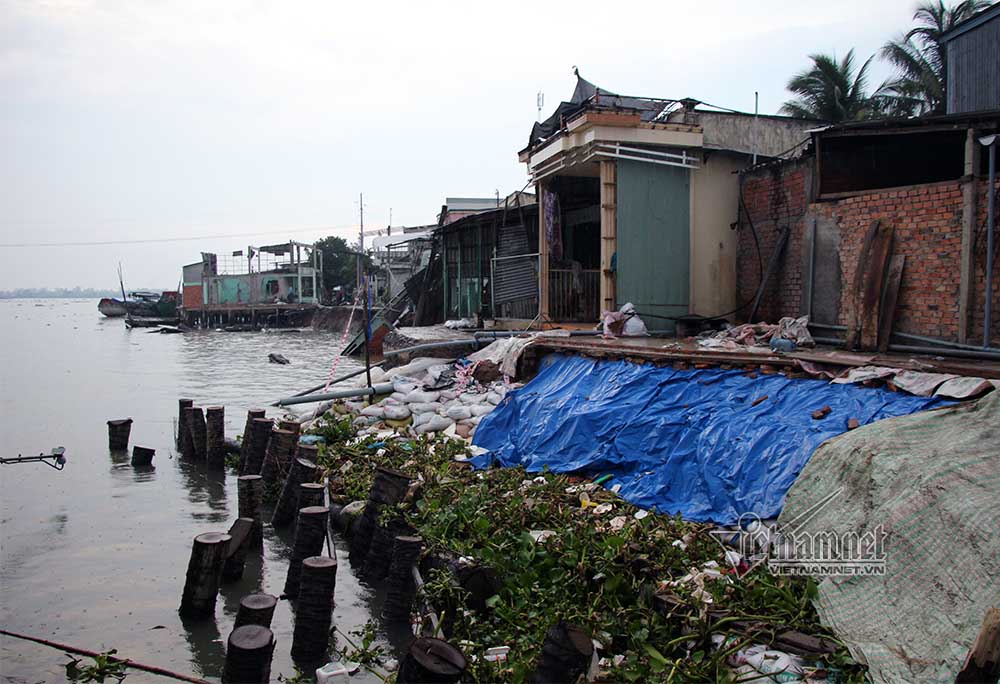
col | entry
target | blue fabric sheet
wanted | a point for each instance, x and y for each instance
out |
(677, 441)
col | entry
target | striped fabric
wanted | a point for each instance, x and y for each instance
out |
(932, 480)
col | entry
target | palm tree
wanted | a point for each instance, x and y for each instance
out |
(831, 90)
(921, 61)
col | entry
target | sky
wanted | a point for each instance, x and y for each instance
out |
(208, 126)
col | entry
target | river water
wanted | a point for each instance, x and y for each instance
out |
(95, 555)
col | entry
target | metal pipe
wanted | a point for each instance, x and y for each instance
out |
(991, 209)
(429, 345)
(346, 393)
(937, 351)
(336, 380)
(944, 343)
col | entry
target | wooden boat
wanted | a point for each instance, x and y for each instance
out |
(112, 308)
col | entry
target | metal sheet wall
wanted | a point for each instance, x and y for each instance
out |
(973, 64)
(653, 263)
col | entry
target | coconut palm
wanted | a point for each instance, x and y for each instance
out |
(831, 91)
(921, 61)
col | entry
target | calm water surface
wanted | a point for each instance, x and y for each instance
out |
(95, 555)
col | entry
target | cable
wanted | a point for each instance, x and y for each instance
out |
(173, 239)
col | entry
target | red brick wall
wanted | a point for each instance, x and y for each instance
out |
(774, 197)
(927, 221)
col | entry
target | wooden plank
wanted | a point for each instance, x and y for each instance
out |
(852, 338)
(609, 233)
(890, 296)
(983, 662)
(772, 264)
(871, 296)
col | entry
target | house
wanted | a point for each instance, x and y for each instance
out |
(638, 197)
(229, 287)
(972, 54)
(399, 254)
(455, 208)
(925, 179)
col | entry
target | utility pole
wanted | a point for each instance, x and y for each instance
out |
(361, 240)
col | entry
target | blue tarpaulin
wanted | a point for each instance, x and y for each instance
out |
(677, 441)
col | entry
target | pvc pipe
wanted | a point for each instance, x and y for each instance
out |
(335, 380)
(945, 344)
(939, 351)
(347, 393)
(430, 345)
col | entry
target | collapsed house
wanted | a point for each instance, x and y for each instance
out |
(267, 285)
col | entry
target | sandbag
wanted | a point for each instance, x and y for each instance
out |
(480, 409)
(458, 413)
(432, 407)
(375, 411)
(434, 424)
(403, 385)
(422, 397)
(493, 398)
(472, 398)
(397, 412)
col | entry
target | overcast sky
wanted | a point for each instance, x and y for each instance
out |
(132, 120)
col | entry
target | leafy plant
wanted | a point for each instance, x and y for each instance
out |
(105, 665)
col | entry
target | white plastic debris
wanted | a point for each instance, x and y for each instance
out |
(640, 514)
(618, 523)
(541, 535)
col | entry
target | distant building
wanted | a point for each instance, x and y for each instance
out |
(455, 208)
(972, 51)
(399, 255)
(286, 274)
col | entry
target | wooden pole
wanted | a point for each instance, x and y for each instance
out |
(142, 456)
(236, 556)
(248, 656)
(311, 494)
(252, 415)
(250, 493)
(260, 436)
(182, 421)
(118, 434)
(215, 437)
(256, 609)
(309, 452)
(314, 609)
(310, 533)
(433, 660)
(566, 654)
(399, 581)
(288, 503)
(277, 456)
(201, 586)
(198, 431)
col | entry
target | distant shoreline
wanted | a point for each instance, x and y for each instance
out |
(60, 294)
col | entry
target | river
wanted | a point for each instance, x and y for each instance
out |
(95, 555)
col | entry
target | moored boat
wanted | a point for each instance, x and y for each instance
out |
(112, 308)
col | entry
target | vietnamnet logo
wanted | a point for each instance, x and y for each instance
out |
(790, 550)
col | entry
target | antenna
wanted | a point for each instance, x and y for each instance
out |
(540, 101)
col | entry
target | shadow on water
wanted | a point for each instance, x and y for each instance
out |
(208, 649)
(206, 488)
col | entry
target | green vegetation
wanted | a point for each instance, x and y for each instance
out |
(106, 665)
(834, 91)
(623, 577)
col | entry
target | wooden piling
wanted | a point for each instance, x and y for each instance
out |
(196, 428)
(310, 533)
(182, 421)
(432, 660)
(566, 654)
(314, 609)
(288, 503)
(236, 554)
(215, 437)
(142, 456)
(250, 493)
(252, 415)
(380, 550)
(201, 585)
(118, 434)
(248, 655)
(310, 452)
(256, 609)
(388, 488)
(399, 580)
(278, 455)
(260, 435)
(311, 494)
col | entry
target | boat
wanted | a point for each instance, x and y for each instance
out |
(112, 308)
(142, 304)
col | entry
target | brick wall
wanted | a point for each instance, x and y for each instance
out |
(927, 222)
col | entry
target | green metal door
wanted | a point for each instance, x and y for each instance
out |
(653, 262)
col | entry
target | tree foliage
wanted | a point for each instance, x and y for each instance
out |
(920, 59)
(339, 263)
(831, 90)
